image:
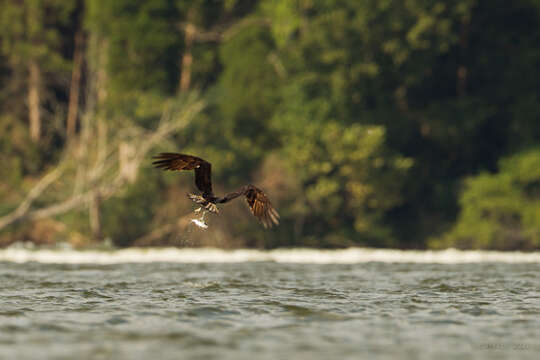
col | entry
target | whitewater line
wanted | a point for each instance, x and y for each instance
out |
(293, 256)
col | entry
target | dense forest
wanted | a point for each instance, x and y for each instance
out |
(386, 123)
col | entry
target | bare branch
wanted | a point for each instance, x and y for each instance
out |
(223, 32)
(34, 193)
(99, 169)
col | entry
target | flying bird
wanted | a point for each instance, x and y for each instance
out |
(258, 202)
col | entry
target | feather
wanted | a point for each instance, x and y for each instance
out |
(261, 207)
(203, 169)
(258, 203)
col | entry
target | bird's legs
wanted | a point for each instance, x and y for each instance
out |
(203, 209)
(207, 205)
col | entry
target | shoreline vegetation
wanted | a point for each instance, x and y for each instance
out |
(410, 125)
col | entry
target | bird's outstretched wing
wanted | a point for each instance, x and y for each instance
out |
(173, 161)
(261, 207)
(258, 203)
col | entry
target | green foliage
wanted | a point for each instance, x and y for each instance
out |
(502, 210)
(360, 119)
(13, 149)
(140, 34)
(350, 179)
(32, 30)
(236, 132)
(242, 97)
(129, 216)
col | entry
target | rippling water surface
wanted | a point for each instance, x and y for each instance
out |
(269, 307)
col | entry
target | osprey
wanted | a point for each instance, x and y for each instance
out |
(257, 201)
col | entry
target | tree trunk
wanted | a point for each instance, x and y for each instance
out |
(74, 90)
(461, 73)
(34, 111)
(187, 58)
(100, 88)
(95, 218)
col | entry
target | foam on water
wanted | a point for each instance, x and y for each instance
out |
(300, 256)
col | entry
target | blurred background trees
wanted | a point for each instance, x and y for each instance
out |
(374, 123)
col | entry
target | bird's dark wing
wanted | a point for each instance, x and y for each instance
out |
(173, 161)
(261, 207)
(203, 178)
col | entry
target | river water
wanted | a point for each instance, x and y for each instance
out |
(285, 304)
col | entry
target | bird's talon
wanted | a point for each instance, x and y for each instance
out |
(212, 208)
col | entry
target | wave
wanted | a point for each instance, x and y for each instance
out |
(20, 254)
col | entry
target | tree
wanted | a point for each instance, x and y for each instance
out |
(31, 41)
(360, 118)
(500, 211)
(348, 178)
(104, 168)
